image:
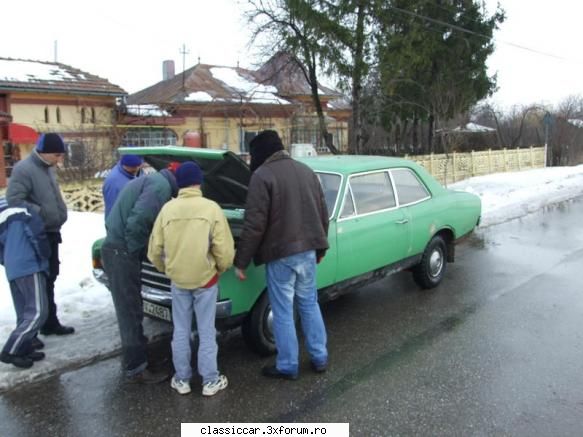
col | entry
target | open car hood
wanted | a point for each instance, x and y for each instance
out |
(226, 176)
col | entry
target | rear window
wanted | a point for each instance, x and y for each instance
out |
(409, 187)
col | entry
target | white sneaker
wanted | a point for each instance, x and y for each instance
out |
(182, 387)
(212, 388)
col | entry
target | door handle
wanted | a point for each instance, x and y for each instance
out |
(402, 221)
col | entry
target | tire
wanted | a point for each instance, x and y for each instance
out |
(431, 270)
(257, 327)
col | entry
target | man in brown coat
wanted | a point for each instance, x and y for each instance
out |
(286, 226)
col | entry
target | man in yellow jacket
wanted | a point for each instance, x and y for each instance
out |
(192, 243)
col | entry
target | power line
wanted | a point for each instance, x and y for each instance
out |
(471, 32)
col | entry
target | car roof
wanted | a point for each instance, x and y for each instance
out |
(348, 164)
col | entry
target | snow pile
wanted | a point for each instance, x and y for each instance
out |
(506, 196)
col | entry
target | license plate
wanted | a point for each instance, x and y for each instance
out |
(158, 311)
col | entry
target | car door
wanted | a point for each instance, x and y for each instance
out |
(415, 200)
(372, 231)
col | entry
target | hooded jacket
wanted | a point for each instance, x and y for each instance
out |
(131, 219)
(191, 240)
(285, 213)
(34, 181)
(24, 248)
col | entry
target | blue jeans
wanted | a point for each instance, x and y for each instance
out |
(288, 279)
(204, 303)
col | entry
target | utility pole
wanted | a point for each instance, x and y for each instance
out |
(183, 52)
(55, 49)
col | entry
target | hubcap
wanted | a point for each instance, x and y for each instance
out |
(269, 325)
(435, 263)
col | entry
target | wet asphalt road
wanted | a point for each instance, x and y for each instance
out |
(497, 349)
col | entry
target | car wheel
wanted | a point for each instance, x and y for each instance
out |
(430, 271)
(258, 327)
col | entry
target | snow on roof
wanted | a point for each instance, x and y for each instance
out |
(251, 91)
(31, 71)
(199, 96)
(53, 77)
(146, 111)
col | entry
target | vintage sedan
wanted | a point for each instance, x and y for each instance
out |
(386, 215)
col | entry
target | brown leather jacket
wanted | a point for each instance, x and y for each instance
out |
(285, 213)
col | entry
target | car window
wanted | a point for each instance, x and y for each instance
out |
(409, 187)
(372, 192)
(348, 208)
(330, 186)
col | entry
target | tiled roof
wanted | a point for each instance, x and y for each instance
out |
(209, 83)
(275, 83)
(28, 75)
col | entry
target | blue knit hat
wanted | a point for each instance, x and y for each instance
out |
(50, 143)
(131, 160)
(188, 174)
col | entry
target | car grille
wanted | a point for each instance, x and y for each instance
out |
(153, 278)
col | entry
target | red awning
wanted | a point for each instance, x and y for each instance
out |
(21, 134)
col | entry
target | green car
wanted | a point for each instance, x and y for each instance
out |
(386, 215)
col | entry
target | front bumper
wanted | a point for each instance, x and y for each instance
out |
(164, 298)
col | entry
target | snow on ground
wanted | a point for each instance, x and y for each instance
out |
(86, 304)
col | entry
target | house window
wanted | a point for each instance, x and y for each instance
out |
(92, 115)
(76, 154)
(83, 115)
(47, 115)
(58, 115)
(247, 138)
(150, 137)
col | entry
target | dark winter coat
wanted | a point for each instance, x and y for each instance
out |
(35, 182)
(24, 248)
(131, 219)
(113, 184)
(285, 213)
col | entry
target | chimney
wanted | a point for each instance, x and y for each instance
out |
(167, 70)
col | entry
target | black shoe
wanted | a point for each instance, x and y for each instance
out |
(36, 355)
(57, 330)
(319, 368)
(36, 344)
(16, 360)
(272, 372)
(148, 377)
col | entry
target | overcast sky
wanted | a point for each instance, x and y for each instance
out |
(126, 41)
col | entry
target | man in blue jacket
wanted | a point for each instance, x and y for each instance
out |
(24, 252)
(128, 227)
(128, 168)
